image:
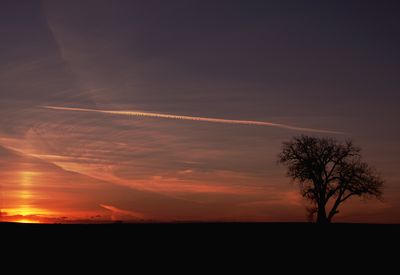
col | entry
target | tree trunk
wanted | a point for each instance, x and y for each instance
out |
(333, 212)
(321, 215)
(335, 206)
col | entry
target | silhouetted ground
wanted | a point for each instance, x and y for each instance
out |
(221, 230)
(200, 242)
(204, 225)
(193, 223)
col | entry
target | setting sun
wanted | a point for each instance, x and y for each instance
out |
(26, 221)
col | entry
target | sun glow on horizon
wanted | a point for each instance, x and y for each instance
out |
(27, 221)
(26, 210)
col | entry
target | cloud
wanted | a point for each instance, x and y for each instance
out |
(35, 190)
(195, 118)
(185, 172)
(120, 214)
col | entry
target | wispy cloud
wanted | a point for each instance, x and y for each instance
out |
(120, 213)
(194, 118)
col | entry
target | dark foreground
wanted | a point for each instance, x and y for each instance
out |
(247, 232)
(202, 243)
(207, 226)
(116, 224)
(121, 225)
(191, 225)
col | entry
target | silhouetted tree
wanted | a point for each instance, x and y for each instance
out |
(329, 172)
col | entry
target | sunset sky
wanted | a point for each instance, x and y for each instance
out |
(176, 110)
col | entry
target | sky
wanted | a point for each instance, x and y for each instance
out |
(176, 110)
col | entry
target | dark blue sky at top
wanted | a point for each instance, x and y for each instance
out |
(251, 58)
(305, 51)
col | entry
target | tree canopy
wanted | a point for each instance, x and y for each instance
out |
(329, 172)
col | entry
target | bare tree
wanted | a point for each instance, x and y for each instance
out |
(329, 173)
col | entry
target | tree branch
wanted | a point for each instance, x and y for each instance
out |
(335, 206)
(347, 196)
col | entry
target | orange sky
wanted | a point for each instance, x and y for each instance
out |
(35, 189)
(98, 181)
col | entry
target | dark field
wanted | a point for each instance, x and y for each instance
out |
(221, 230)
(284, 240)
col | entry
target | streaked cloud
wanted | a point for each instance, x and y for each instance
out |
(120, 214)
(194, 118)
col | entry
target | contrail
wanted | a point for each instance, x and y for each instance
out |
(194, 118)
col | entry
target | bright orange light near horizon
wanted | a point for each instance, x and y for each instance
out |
(27, 221)
(26, 210)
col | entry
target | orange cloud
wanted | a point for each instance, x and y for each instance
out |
(120, 214)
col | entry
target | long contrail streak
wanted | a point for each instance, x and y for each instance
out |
(194, 118)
